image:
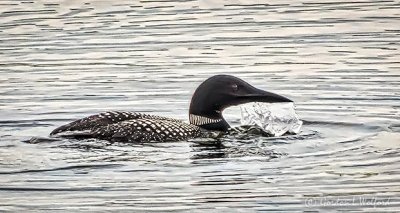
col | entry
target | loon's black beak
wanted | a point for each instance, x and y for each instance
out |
(258, 95)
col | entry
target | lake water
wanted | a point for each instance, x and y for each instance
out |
(338, 60)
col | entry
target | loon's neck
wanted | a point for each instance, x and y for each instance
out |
(209, 121)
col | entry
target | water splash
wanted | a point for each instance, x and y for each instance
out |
(275, 119)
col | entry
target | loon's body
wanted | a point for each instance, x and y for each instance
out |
(205, 114)
(132, 127)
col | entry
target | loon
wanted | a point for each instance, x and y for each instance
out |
(205, 114)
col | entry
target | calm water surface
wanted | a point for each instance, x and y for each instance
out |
(339, 60)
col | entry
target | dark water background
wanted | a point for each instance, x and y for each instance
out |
(339, 60)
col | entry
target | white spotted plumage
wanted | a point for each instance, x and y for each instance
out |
(132, 127)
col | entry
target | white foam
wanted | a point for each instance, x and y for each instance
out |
(274, 118)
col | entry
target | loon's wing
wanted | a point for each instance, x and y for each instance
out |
(104, 119)
(146, 130)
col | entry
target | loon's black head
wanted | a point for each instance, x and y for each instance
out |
(222, 91)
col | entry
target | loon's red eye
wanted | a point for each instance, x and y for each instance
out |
(235, 87)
